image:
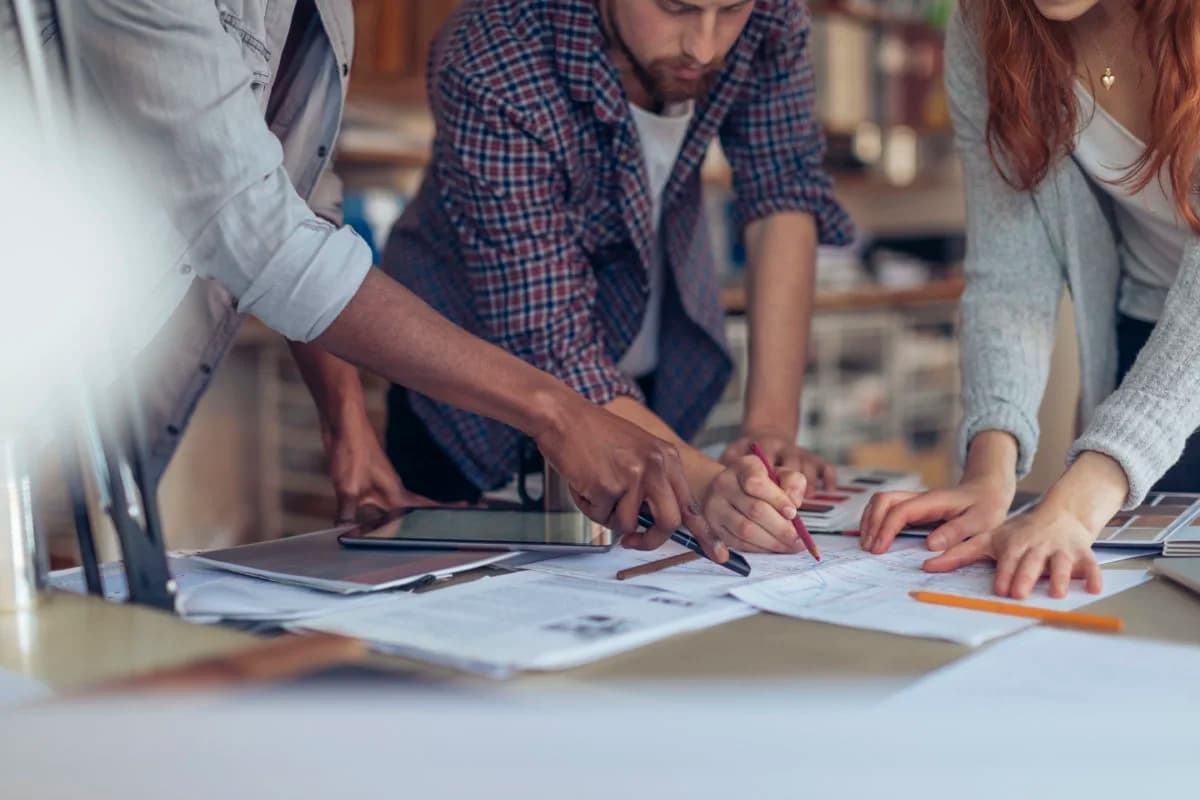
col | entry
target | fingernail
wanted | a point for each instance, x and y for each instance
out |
(936, 542)
(789, 513)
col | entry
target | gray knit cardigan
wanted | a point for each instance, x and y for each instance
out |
(1023, 248)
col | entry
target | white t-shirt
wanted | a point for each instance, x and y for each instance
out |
(1153, 234)
(661, 136)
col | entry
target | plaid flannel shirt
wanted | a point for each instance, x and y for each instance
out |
(533, 225)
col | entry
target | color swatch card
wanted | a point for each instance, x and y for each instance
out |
(1160, 518)
(841, 509)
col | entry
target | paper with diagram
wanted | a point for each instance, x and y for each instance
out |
(526, 621)
(873, 593)
(698, 578)
(704, 578)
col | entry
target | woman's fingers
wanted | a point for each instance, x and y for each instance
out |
(1062, 565)
(1031, 568)
(1092, 574)
(919, 508)
(968, 552)
(877, 508)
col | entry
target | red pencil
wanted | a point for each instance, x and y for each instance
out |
(809, 544)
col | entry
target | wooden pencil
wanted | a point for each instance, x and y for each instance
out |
(655, 566)
(1072, 619)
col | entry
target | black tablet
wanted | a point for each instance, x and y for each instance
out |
(483, 529)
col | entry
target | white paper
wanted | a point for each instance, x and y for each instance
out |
(526, 621)
(698, 578)
(210, 595)
(872, 593)
(1048, 665)
(704, 578)
(17, 689)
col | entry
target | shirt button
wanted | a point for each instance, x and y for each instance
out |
(172, 430)
(345, 69)
(186, 269)
(322, 151)
(205, 369)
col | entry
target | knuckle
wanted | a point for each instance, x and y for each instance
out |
(761, 511)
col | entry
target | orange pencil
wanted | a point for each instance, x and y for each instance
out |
(801, 530)
(1072, 619)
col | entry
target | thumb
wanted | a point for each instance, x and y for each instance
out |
(949, 534)
(960, 555)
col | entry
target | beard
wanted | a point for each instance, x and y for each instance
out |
(660, 77)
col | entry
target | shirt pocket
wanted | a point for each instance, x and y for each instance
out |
(246, 22)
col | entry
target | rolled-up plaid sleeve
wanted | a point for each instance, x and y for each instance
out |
(774, 142)
(534, 288)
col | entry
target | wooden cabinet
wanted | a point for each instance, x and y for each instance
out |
(392, 46)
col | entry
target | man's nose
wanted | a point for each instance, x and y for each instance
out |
(700, 43)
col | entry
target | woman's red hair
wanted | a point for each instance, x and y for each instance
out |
(1032, 112)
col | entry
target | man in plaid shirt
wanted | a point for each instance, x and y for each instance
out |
(561, 218)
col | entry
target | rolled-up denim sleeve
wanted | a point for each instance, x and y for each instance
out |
(176, 86)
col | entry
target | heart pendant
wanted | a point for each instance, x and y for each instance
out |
(1108, 79)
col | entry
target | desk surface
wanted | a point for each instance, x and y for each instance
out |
(73, 642)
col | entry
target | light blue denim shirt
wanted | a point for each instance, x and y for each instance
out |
(190, 81)
(238, 147)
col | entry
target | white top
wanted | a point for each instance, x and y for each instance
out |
(661, 137)
(1153, 235)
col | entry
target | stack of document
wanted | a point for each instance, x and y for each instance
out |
(525, 621)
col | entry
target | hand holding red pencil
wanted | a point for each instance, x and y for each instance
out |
(801, 530)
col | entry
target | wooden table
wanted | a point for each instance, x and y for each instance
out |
(73, 643)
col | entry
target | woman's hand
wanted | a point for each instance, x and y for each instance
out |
(1046, 540)
(972, 507)
(747, 511)
(1055, 538)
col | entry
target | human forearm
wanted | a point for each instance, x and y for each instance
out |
(1092, 490)
(992, 458)
(781, 252)
(333, 383)
(390, 331)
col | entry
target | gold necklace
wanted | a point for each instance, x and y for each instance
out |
(1109, 77)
